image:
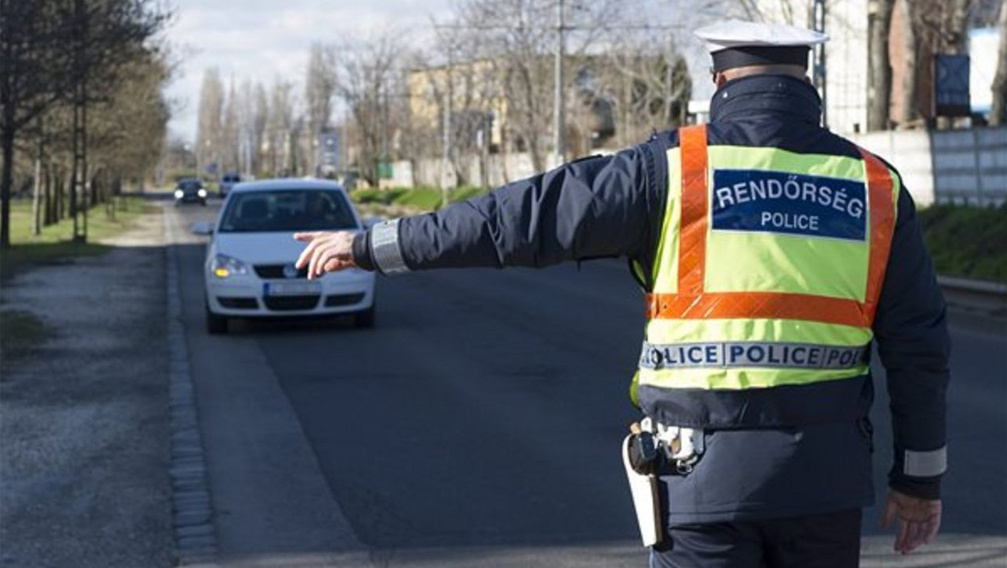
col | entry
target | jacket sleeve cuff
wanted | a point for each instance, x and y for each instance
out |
(921, 488)
(918, 473)
(362, 251)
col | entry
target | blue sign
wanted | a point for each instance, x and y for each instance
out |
(329, 150)
(951, 87)
(782, 202)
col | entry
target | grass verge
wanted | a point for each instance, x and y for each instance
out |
(968, 242)
(417, 200)
(55, 243)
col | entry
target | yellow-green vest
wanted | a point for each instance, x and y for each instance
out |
(766, 280)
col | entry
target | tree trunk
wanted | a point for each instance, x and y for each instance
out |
(998, 115)
(909, 74)
(36, 200)
(6, 179)
(50, 212)
(879, 65)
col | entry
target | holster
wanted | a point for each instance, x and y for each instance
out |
(646, 491)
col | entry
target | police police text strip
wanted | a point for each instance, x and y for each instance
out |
(752, 354)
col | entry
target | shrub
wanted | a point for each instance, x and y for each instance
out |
(967, 241)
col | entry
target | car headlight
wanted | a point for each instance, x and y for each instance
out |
(223, 266)
(179, 194)
(202, 193)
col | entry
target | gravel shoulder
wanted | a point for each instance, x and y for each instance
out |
(84, 420)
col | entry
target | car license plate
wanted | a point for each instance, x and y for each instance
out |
(291, 289)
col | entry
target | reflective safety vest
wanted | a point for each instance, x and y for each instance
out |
(765, 285)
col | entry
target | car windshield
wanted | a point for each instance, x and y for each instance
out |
(190, 184)
(287, 210)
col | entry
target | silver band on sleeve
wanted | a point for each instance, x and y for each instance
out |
(925, 464)
(385, 248)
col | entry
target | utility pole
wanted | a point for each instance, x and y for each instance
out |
(560, 48)
(818, 24)
(446, 175)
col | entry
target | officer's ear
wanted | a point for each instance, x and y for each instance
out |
(719, 79)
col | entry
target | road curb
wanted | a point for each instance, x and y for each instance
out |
(192, 505)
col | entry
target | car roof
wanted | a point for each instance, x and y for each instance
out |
(286, 183)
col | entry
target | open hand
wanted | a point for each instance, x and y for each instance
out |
(918, 520)
(326, 252)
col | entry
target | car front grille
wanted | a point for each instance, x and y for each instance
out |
(343, 300)
(289, 303)
(276, 271)
(238, 303)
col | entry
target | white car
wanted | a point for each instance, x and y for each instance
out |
(249, 267)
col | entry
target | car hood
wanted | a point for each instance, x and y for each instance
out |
(259, 248)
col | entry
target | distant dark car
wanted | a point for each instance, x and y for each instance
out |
(190, 191)
(228, 181)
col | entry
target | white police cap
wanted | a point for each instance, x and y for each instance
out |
(735, 43)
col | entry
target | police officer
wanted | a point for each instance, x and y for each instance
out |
(773, 253)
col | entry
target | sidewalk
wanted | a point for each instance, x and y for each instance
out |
(84, 422)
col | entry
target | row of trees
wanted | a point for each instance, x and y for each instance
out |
(81, 108)
(624, 77)
(490, 78)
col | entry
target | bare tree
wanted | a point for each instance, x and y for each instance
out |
(647, 81)
(367, 76)
(879, 17)
(230, 141)
(210, 121)
(260, 117)
(903, 19)
(279, 123)
(319, 90)
(519, 39)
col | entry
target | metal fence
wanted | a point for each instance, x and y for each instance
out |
(967, 167)
(970, 166)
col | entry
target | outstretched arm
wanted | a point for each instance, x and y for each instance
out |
(596, 207)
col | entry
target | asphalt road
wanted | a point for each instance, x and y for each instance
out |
(478, 424)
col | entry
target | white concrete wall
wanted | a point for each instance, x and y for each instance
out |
(909, 152)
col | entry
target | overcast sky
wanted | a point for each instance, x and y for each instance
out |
(261, 39)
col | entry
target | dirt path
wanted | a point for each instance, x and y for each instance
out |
(84, 425)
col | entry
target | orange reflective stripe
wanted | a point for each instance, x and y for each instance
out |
(692, 302)
(879, 182)
(748, 305)
(695, 201)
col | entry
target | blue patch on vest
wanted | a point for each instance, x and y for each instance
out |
(782, 202)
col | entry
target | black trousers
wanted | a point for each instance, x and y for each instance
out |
(814, 541)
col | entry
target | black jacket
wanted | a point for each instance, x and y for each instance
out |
(613, 206)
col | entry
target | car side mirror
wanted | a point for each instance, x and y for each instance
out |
(202, 228)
